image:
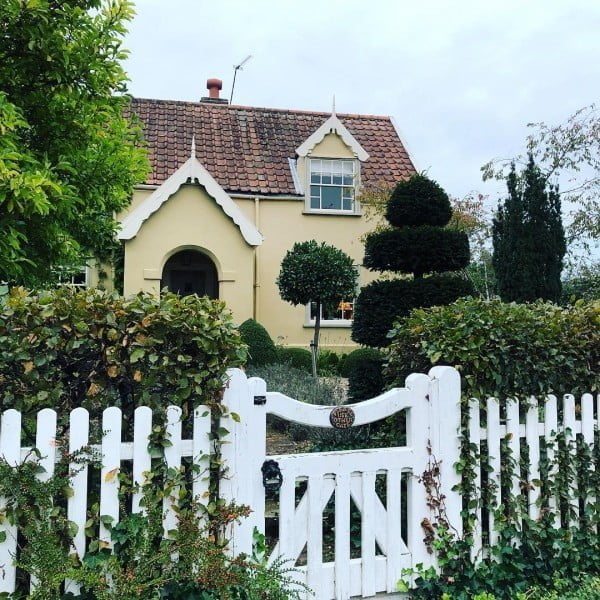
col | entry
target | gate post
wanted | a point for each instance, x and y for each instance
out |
(444, 396)
(418, 434)
(257, 451)
(235, 486)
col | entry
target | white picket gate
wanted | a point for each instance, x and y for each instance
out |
(317, 485)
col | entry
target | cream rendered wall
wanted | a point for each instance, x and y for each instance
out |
(284, 222)
(191, 219)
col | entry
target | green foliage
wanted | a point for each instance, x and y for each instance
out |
(69, 348)
(417, 250)
(298, 358)
(363, 368)
(319, 273)
(418, 201)
(502, 350)
(68, 157)
(330, 363)
(532, 559)
(381, 303)
(419, 245)
(529, 239)
(261, 349)
(298, 384)
(584, 284)
(313, 272)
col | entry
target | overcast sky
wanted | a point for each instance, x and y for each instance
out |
(461, 78)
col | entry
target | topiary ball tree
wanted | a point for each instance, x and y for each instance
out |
(417, 244)
(261, 349)
(316, 272)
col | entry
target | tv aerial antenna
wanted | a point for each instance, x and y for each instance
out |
(237, 68)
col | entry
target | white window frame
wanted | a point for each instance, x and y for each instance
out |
(332, 211)
(309, 322)
(67, 280)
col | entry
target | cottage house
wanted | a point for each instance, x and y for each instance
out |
(233, 187)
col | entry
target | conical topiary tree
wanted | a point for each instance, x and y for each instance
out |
(417, 244)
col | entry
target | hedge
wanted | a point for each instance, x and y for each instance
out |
(502, 350)
(417, 250)
(363, 367)
(69, 348)
(380, 303)
(261, 349)
(299, 358)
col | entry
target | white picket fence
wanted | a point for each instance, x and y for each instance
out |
(373, 481)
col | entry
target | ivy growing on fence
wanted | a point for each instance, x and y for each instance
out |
(560, 543)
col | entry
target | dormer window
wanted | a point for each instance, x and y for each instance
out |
(332, 184)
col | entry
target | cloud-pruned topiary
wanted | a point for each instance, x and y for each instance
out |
(405, 206)
(261, 349)
(417, 245)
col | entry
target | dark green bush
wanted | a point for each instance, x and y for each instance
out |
(502, 350)
(418, 201)
(69, 348)
(417, 250)
(328, 362)
(416, 245)
(299, 358)
(363, 368)
(261, 349)
(382, 302)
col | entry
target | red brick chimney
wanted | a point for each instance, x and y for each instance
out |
(213, 86)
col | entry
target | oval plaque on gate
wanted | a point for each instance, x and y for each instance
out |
(341, 417)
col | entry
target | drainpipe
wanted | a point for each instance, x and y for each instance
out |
(256, 290)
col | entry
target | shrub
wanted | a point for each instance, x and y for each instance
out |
(299, 358)
(382, 302)
(405, 207)
(439, 250)
(417, 244)
(502, 350)
(261, 349)
(298, 384)
(329, 362)
(363, 368)
(69, 348)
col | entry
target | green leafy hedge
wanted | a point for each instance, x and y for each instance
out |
(417, 250)
(69, 348)
(299, 358)
(363, 367)
(502, 350)
(380, 303)
(261, 349)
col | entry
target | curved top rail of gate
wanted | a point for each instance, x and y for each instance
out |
(361, 413)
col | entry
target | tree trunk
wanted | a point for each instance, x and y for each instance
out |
(315, 343)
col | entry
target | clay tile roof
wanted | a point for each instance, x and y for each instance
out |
(246, 149)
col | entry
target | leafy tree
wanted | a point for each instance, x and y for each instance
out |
(319, 273)
(582, 284)
(417, 243)
(68, 159)
(569, 152)
(529, 239)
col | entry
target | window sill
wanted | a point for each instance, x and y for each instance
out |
(338, 213)
(330, 324)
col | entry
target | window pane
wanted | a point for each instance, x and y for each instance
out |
(348, 180)
(315, 178)
(315, 202)
(315, 165)
(347, 204)
(337, 179)
(313, 311)
(331, 198)
(348, 167)
(327, 166)
(326, 178)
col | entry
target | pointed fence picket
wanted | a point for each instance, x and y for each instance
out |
(540, 428)
(384, 485)
(113, 453)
